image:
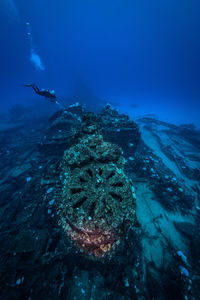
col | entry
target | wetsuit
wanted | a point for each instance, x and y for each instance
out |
(46, 93)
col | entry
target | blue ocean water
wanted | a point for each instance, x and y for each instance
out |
(141, 55)
(99, 179)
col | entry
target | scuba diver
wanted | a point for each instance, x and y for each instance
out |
(50, 94)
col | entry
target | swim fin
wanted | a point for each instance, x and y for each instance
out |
(29, 84)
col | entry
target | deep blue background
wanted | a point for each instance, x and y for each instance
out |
(130, 51)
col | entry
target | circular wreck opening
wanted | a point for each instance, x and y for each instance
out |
(96, 197)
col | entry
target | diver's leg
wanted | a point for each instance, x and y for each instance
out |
(36, 89)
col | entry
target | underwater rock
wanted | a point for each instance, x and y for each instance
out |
(57, 137)
(71, 123)
(97, 199)
(76, 109)
(88, 126)
(119, 129)
(86, 284)
(34, 249)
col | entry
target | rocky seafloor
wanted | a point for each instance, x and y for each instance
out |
(98, 206)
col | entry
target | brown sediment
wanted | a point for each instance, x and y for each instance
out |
(96, 241)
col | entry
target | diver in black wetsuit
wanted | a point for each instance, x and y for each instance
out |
(50, 94)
